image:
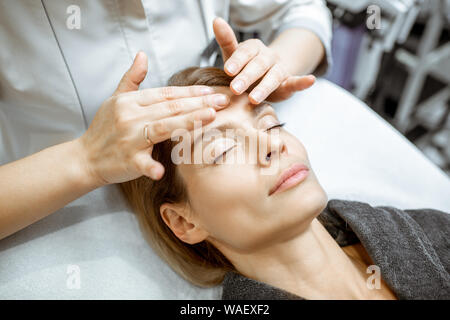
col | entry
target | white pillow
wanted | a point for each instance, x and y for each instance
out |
(357, 155)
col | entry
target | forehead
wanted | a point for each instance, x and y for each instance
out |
(239, 108)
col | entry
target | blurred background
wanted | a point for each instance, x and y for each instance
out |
(395, 56)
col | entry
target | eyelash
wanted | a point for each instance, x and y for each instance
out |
(280, 125)
(223, 153)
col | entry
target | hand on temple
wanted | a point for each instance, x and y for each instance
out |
(256, 66)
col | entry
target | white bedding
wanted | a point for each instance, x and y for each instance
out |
(355, 154)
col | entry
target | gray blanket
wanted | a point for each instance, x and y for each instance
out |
(411, 247)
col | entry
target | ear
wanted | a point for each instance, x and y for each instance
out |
(176, 217)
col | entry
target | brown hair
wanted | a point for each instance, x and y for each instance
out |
(201, 264)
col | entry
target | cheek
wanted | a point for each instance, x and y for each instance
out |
(220, 189)
(213, 190)
(223, 198)
(308, 198)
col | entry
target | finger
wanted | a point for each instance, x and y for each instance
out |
(147, 97)
(135, 75)
(185, 105)
(298, 83)
(253, 71)
(245, 52)
(147, 166)
(225, 37)
(271, 81)
(161, 130)
(291, 85)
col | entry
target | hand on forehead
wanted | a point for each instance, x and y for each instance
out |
(241, 100)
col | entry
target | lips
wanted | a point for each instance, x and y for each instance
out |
(290, 177)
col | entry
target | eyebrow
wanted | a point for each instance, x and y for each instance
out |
(222, 127)
(258, 110)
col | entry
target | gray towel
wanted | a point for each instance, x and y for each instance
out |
(411, 247)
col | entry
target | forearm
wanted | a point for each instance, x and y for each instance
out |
(300, 50)
(35, 186)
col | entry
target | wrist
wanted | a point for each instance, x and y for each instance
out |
(299, 49)
(84, 169)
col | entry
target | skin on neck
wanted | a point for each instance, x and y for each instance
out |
(311, 265)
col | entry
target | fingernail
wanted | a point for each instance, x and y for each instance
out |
(221, 100)
(231, 67)
(206, 90)
(238, 86)
(257, 95)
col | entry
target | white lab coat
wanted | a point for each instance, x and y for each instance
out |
(53, 80)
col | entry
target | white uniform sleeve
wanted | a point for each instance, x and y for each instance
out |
(271, 17)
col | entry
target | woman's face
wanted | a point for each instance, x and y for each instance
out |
(233, 201)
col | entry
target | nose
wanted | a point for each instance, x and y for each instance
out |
(270, 148)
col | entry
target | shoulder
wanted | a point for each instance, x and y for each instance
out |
(387, 224)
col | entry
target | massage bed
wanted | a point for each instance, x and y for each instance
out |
(93, 248)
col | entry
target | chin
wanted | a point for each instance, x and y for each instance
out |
(305, 201)
(297, 208)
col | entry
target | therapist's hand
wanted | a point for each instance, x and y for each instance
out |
(114, 147)
(252, 63)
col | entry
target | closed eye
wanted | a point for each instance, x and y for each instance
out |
(276, 126)
(279, 125)
(222, 154)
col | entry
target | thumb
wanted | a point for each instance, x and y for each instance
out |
(148, 166)
(290, 86)
(225, 37)
(135, 75)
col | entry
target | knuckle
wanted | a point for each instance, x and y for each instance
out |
(193, 90)
(263, 62)
(121, 101)
(158, 128)
(268, 86)
(255, 43)
(167, 93)
(174, 107)
(195, 117)
(207, 101)
(246, 53)
(122, 119)
(245, 77)
(275, 56)
(278, 73)
(284, 73)
(243, 53)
